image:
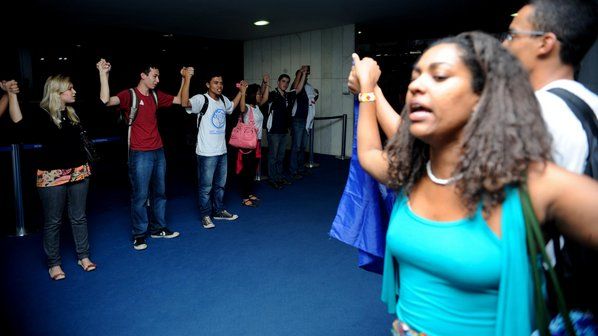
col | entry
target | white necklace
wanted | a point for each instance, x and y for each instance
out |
(440, 181)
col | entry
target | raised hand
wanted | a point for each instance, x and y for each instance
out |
(364, 74)
(103, 66)
(187, 72)
(266, 78)
(243, 86)
(11, 86)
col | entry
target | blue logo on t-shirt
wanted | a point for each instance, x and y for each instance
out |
(219, 118)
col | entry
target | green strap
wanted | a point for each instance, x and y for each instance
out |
(535, 243)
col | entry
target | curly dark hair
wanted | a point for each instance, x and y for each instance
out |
(504, 134)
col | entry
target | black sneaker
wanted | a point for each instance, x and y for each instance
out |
(165, 233)
(225, 215)
(139, 243)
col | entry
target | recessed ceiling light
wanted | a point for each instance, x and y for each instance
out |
(359, 32)
(261, 23)
(514, 14)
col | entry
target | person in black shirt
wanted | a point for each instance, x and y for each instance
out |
(279, 120)
(303, 113)
(63, 173)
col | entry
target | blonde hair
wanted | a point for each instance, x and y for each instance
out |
(51, 103)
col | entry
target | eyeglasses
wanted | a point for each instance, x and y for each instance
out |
(511, 34)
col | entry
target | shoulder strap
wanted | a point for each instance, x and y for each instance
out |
(586, 116)
(203, 110)
(134, 107)
(155, 95)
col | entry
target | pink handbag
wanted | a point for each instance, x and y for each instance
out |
(244, 135)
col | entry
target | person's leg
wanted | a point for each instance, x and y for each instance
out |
(281, 150)
(302, 146)
(245, 178)
(158, 192)
(272, 156)
(296, 137)
(248, 177)
(77, 199)
(206, 165)
(140, 172)
(219, 183)
(53, 200)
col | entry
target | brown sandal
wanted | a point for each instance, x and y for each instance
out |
(249, 203)
(90, 267)
(58, 276)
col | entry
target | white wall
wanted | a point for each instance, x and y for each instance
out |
(328, 52)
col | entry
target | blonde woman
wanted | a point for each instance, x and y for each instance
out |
(63, 173)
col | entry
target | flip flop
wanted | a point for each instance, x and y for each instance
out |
(56, 277)
(90, 267)
(248, 203)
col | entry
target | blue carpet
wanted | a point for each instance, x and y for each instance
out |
(274, 271)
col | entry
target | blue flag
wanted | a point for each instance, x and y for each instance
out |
(363, 212)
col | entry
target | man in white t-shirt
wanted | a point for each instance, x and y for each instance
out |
(550, 38)
(211, 148)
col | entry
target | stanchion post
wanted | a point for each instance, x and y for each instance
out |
(18, 192)
(343, 145)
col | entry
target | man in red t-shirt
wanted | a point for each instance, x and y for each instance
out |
(147, 165)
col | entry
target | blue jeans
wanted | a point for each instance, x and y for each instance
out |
(211, 174)
(147, 173)
(276, 148)
(73, 196)
(299, 142)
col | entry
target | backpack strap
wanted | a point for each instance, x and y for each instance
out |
(586, 116)
(134, 107)
(155, 95)
(135, 104)
(203, 110)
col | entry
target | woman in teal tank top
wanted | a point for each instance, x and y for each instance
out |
(470, 133)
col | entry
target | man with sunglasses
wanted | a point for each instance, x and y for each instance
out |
(550, 38)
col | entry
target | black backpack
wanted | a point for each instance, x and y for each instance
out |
(577, 265)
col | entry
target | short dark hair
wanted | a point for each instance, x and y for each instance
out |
(572, 21)
(284, 76)
(147, 67)
(211, 75)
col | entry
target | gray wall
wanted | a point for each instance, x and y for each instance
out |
(328, 52)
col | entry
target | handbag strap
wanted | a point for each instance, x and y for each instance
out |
(538, 257)
(251, 120)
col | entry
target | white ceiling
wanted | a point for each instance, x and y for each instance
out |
(232, 19)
